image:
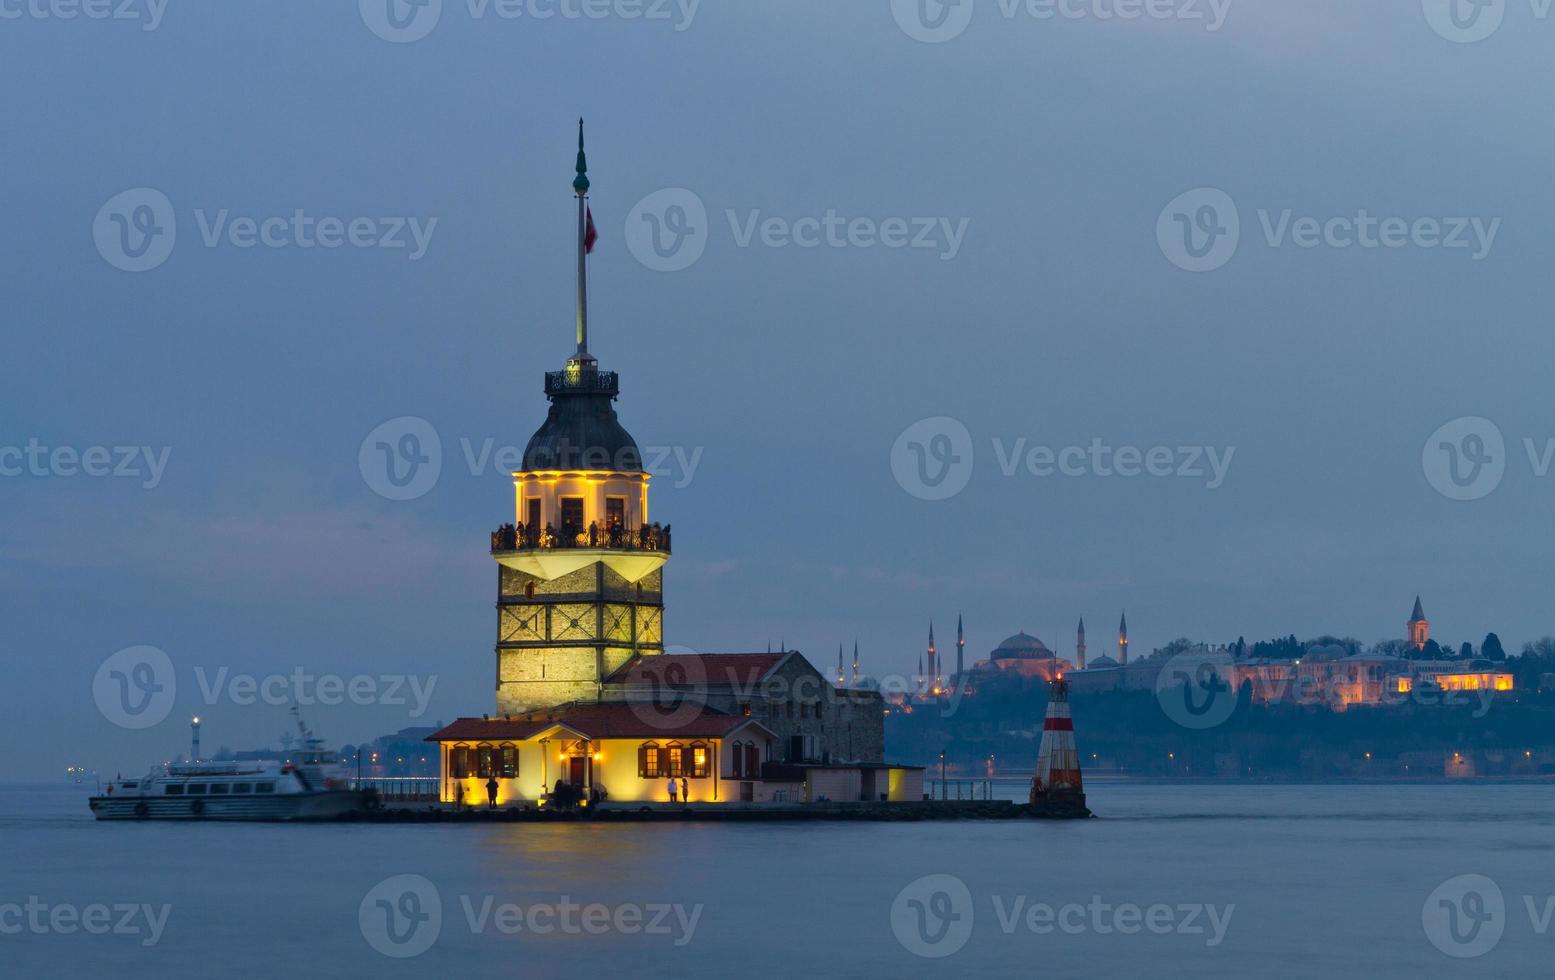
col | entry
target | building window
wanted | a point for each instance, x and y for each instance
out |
(737, 761)
(533, 504)
(752, 760)
(699, 756)
(677, 760)
(459, 762)
(483, 762)
(572, 514)
(648, 760)
(615, 512)
(790, 708)
(509, 767)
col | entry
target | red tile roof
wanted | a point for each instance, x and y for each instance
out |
(604, 720)
(696, 670)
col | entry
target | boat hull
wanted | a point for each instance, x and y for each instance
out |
(327, 805)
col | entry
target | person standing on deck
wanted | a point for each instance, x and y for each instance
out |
(674, 789)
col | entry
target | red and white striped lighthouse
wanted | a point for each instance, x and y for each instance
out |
(1057, 789)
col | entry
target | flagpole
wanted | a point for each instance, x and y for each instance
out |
(580, 185)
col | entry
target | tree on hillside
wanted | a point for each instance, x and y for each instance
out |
(1491, 648)
(1391, 648)
(1542, 649)
(1466, 651)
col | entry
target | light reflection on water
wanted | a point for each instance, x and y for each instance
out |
(1326, 880)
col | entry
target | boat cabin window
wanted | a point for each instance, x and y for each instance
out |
(264, 787)
(242, 788)
(174, 790)
(131, 785)
(196, 789)
(219, 789)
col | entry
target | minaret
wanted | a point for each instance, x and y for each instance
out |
(1079, 645)
(960, 649)
(580, 570)
(918, 679)
(856, 677)
(1419, 627)
(933, 677)
(1123, 640)
(842, 678)
(194, 739)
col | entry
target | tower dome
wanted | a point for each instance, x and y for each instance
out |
(581, 431)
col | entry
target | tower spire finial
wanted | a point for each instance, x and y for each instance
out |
(582, 361)
(580, 183)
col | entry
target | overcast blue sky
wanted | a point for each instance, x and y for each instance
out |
(1035, 159)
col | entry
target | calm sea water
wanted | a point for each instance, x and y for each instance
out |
(1304, 881)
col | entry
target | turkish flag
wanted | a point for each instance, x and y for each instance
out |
(590, 235)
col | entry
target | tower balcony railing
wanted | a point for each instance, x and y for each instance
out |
(517, 537)
(557, 382)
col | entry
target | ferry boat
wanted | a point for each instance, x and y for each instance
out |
(265, 790)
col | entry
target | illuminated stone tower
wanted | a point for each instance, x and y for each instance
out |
(1079, 645)
(1419, 627)
(580, 570)
(1123, 640)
